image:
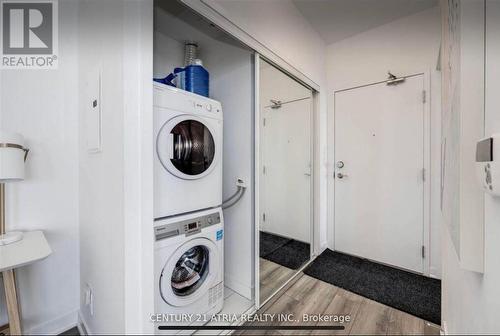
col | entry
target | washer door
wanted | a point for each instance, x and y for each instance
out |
(188, 274)
(186, 147)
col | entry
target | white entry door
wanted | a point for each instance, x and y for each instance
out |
(286, 175)
(379, 176)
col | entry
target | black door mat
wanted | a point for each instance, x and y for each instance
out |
(286, 252)
(269, 243)
(406, 291)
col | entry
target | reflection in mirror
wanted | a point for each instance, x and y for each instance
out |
(285, 178)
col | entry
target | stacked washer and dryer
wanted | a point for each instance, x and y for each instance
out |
(189, 225)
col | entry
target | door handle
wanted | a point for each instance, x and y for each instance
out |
(341, 176)
(307, 174)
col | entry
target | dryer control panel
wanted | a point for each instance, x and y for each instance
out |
(187, 227)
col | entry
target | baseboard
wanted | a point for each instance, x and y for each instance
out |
(238, 287)
(83, 325)
(444, 328)
(434, 276)
(55, 326)
(81, 329)
(434, 273)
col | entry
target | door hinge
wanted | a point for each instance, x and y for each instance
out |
(423, 251)
(264, 217)
(423, 174)
(264, 122)
(424, 96)
(264, 170)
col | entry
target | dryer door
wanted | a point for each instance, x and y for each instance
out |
(187, 147)
(189, 273)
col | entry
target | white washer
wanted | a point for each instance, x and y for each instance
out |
(188, 151)
(189, 267)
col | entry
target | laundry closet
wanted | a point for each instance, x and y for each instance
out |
(231, 82)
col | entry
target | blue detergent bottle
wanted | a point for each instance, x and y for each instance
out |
(194, 78)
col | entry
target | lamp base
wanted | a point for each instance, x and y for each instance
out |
(10, 237)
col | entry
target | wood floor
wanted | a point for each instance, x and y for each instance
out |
(272, 277)
(306, 295)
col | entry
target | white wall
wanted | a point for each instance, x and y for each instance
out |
(406, 46)
(138, 165)
(470, 301)
(279, 26)
(234, 65)
(101, 174)
(230, 65)
(116, 183)
(42, 105)
(116, 216)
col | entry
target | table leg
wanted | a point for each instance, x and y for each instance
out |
(9, 284)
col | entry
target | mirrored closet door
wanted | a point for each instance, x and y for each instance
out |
(285, 224)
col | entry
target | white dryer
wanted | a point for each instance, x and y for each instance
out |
(188, 151)
(189, 267)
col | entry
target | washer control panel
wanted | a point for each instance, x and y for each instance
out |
(187, 227)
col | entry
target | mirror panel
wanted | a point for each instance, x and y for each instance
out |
(285, 178)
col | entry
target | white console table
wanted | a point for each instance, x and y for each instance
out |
(33, 247)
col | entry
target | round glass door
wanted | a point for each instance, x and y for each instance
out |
(186, 147)
(189, 272)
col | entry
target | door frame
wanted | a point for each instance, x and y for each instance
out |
(315, 168)
(426, 232)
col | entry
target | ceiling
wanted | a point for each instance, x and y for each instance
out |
(336, 20)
